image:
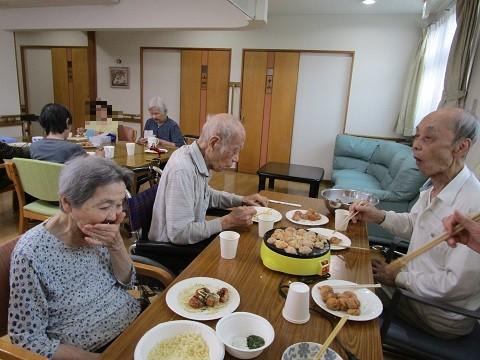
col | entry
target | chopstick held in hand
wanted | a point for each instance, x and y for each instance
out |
(330, 338)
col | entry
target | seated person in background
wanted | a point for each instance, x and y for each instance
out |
(442, 141)
(56, 121)
(9, 152)
(162, 126)
(183, 194)
(69, 275)
(470, 235)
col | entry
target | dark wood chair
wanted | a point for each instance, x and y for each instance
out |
(126, 133)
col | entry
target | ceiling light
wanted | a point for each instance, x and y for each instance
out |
(368, 2)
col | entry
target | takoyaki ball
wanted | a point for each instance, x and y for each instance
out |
(279, 236)
(349, 294)
(319, 244)
(353, 302)
(301, 231)
(332, 303)
(290, 230)
(281, 244)
(342, 303)
(305, 250)
(324, 291)
(355, 312)
(297, 216)
(335, 240)
(271, 240)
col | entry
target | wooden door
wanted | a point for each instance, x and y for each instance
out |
(81, 92)
(284, 92)
(252, 106)
(218, 76)
(190, 79)
(60, 76)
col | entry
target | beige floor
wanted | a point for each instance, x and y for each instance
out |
(242, 184)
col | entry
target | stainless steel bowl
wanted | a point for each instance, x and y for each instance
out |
(342, 198)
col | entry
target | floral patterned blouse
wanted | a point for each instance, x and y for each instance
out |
(64, 295)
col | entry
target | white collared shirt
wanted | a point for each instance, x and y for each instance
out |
(448, 274)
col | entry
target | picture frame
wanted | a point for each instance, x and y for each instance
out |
(119, 77)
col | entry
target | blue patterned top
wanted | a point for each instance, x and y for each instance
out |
(64, 295)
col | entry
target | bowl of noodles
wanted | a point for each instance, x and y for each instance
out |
(180, 339)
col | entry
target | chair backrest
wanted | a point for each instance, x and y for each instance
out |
(126, 133)
(5, 254)
(39, 178)
(140, 209)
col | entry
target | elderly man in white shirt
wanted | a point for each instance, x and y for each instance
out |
(442, 141)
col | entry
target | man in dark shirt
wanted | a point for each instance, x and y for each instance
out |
(164, 128)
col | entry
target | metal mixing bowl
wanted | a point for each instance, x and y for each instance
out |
(342, 198)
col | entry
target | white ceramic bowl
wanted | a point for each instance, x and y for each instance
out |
(170, 329)
(307, 350)
(244, 324)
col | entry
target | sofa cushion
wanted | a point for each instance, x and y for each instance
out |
(352, 179)
(353, 152)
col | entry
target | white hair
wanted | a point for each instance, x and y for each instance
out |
(225, 126)
(158, 103)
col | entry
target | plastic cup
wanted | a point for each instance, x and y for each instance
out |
(130, 149)
(109, 151)
(296, 308)
(147, 133)
(265, 223)
(152, 141)
(91, 153)
(229, 244)
(340, 217)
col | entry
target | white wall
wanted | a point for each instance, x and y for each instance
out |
(473, 104)
(383, 46)
(9, 102)
(45, 38)
(39, 75)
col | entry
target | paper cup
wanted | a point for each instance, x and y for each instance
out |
(296, 309)
(109, 151)
(130, 149)
(265, 223)
(229, 244)
(147, 133)
(340, 217)
(152, 141)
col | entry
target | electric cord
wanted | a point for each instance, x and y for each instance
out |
(283, 290)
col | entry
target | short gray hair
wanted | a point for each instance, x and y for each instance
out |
(158, 103)
(466, 127)
(82, 175)
(225, 126)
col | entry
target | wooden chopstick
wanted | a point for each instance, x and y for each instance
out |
(352, 247)
(351, 216)
(330, 338)
(356, 286)
(402, 261)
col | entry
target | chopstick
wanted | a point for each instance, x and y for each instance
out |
(356, 286)
(351, 216)
(402, 261)
(284, 203)
(330, 338)
(352, 247)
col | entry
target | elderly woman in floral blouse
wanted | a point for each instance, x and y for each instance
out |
(69, 275)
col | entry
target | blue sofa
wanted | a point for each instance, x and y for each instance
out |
(384, 168)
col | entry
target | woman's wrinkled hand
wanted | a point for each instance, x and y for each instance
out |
(107, 235)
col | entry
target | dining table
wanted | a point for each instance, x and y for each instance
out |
(259, 292)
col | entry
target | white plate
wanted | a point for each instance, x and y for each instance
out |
(18, 144)
(370, 305)
(260, 210)
(177, 291)
(329, 233)
(322, 221)
(170, 329)
(77, 138)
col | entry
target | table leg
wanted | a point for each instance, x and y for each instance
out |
(261, 182)
(314, 187)
(271, 183)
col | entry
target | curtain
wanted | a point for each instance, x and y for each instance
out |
(426, 76)
(462, 55)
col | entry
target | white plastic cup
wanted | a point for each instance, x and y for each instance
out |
(36, 138)
(229, 244)
(147, 133)
(130, 149)
(91, 153)
(296, 308)
(340, 217)
(109, 151)
(152, 141)
(265, 223)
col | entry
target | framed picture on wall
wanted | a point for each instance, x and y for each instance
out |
(119, 77)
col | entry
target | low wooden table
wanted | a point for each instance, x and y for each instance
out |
(258, 287)
(290, 172)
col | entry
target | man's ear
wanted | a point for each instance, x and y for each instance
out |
(462, 146)
(214, 140)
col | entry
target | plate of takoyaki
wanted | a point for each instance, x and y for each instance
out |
(308, 217)
(202, 298)
(337, 240)
(335, 297)
(298, 243)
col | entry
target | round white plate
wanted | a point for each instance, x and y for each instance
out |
(176, 292)
(170, 329)
(370, 305)
(322, 221)
(329, 233)
(261, 210)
